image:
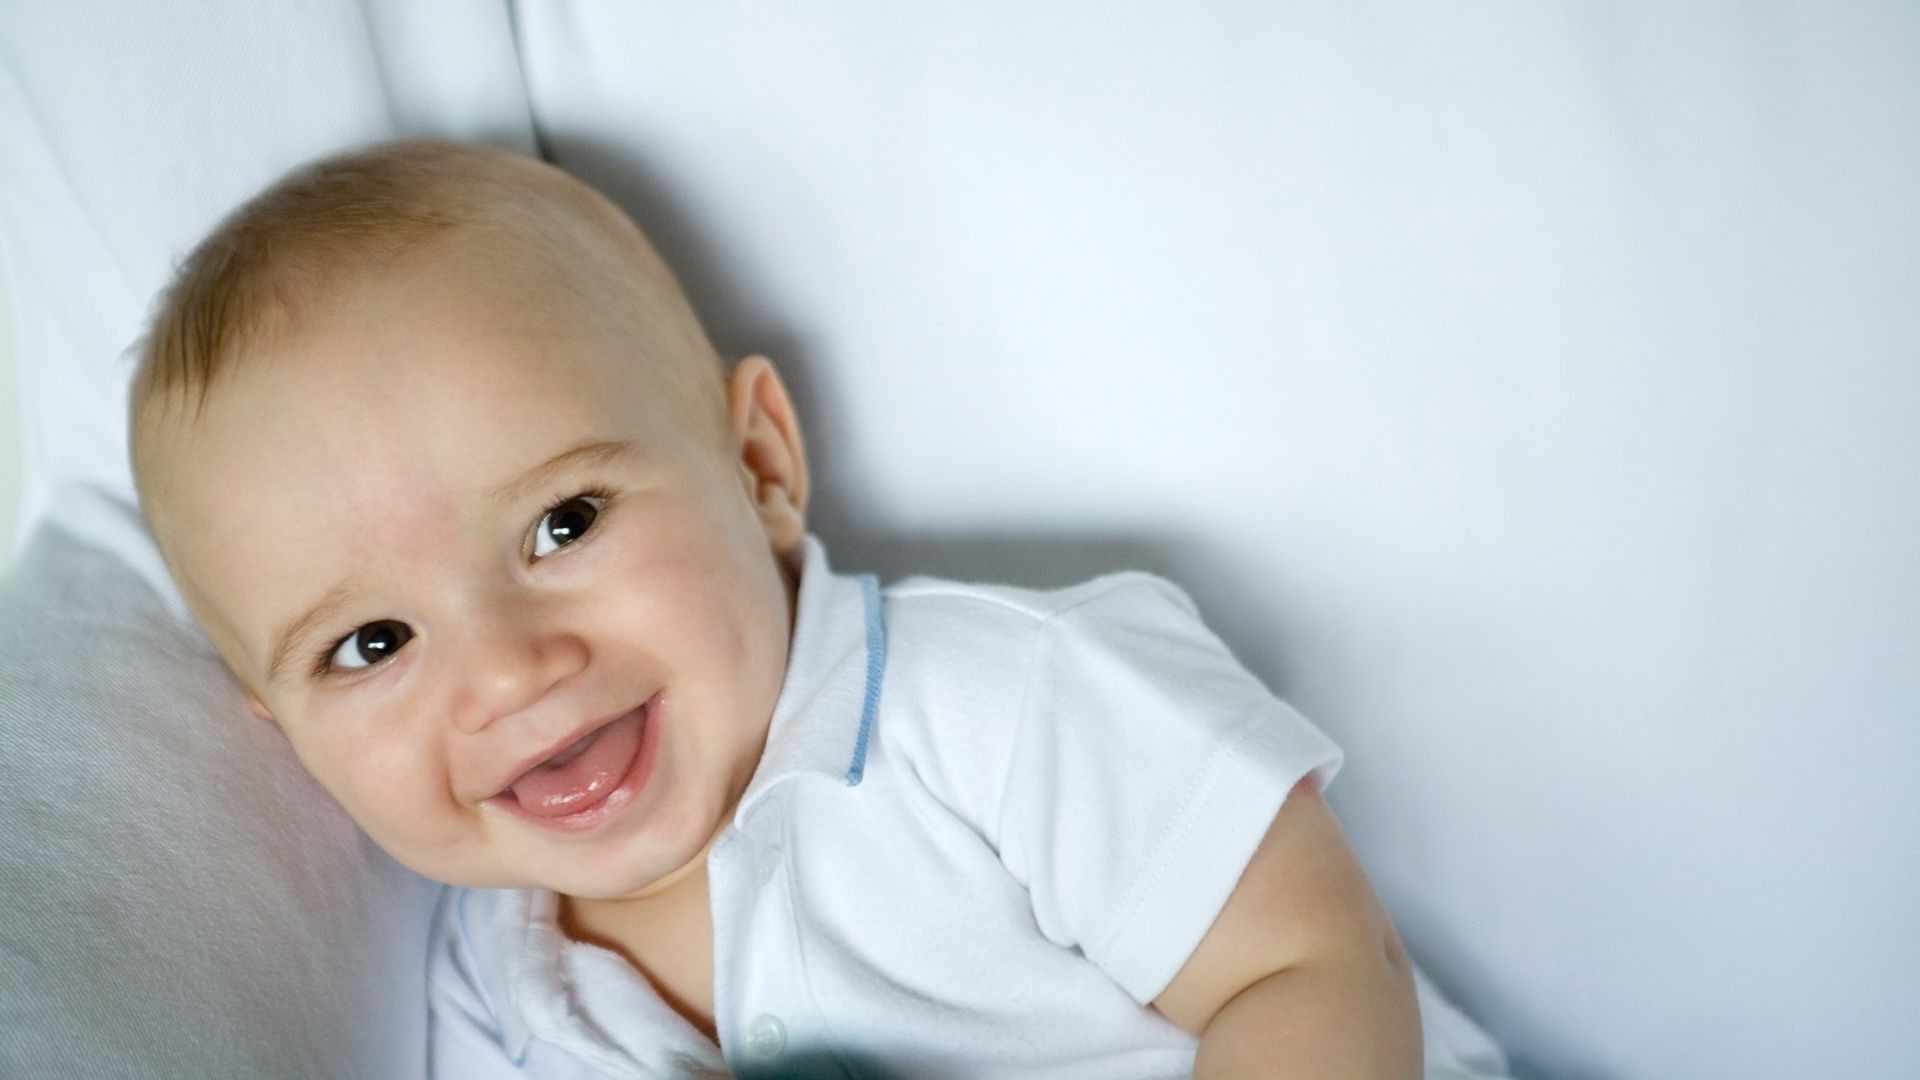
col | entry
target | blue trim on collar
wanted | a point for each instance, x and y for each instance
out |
(876, 666)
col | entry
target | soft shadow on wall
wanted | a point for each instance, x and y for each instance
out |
(9, 430)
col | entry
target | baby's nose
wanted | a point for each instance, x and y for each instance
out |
(512, 667)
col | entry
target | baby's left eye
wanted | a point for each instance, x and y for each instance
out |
(565, 522)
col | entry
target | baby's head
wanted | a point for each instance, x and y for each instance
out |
(446, 468)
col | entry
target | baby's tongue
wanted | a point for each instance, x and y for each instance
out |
(584, 779)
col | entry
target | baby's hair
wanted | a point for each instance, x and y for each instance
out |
(353, 214)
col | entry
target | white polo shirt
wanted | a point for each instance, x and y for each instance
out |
(989, 826)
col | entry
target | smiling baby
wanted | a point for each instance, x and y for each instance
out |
(445, 467)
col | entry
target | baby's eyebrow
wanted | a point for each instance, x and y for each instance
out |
(283, 642)
(593, 451)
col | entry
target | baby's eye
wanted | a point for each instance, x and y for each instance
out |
(371, 644)
(564, 523)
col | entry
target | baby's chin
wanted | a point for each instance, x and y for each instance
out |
(580, 886)
(604, 886)
(584, 877)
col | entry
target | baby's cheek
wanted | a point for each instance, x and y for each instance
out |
(391, 792)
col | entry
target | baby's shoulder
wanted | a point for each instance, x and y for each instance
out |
(995, 607)
(962, 657)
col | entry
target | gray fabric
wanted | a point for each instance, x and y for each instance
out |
(177, 897)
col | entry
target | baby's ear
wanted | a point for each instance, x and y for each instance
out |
(773, 457)
(259, 709)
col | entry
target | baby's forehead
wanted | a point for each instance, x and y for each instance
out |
(478, 311)
(436, 372)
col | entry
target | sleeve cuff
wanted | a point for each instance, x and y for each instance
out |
(1161, 920)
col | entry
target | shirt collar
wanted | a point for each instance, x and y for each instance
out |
(834, 662)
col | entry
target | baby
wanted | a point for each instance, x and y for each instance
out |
(446, 468)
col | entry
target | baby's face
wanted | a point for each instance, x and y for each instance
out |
(516, 542)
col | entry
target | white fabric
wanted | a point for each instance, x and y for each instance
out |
(1528, 391)
(1059, 791)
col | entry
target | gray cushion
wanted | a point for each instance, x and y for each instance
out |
(177, 897)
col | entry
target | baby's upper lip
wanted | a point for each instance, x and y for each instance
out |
(528, 763)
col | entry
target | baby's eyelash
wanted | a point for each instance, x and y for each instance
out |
(323, 660)
(599, 494)
(562, 500)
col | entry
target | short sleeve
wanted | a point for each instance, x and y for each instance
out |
(464, 1036)
(1147, 767)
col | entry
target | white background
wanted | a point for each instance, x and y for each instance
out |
(9, 432)
(1530, 393)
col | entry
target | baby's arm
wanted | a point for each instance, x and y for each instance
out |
(1301, 975)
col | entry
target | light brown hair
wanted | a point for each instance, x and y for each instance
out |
(354, 213)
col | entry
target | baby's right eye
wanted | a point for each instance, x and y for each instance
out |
(370, 644)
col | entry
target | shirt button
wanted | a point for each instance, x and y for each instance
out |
(766, 1036)
(769, 862)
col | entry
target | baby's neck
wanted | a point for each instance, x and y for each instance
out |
(666, 936)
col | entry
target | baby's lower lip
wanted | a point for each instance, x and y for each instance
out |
(617, 798)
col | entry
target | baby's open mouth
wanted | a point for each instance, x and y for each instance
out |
(563, 789)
